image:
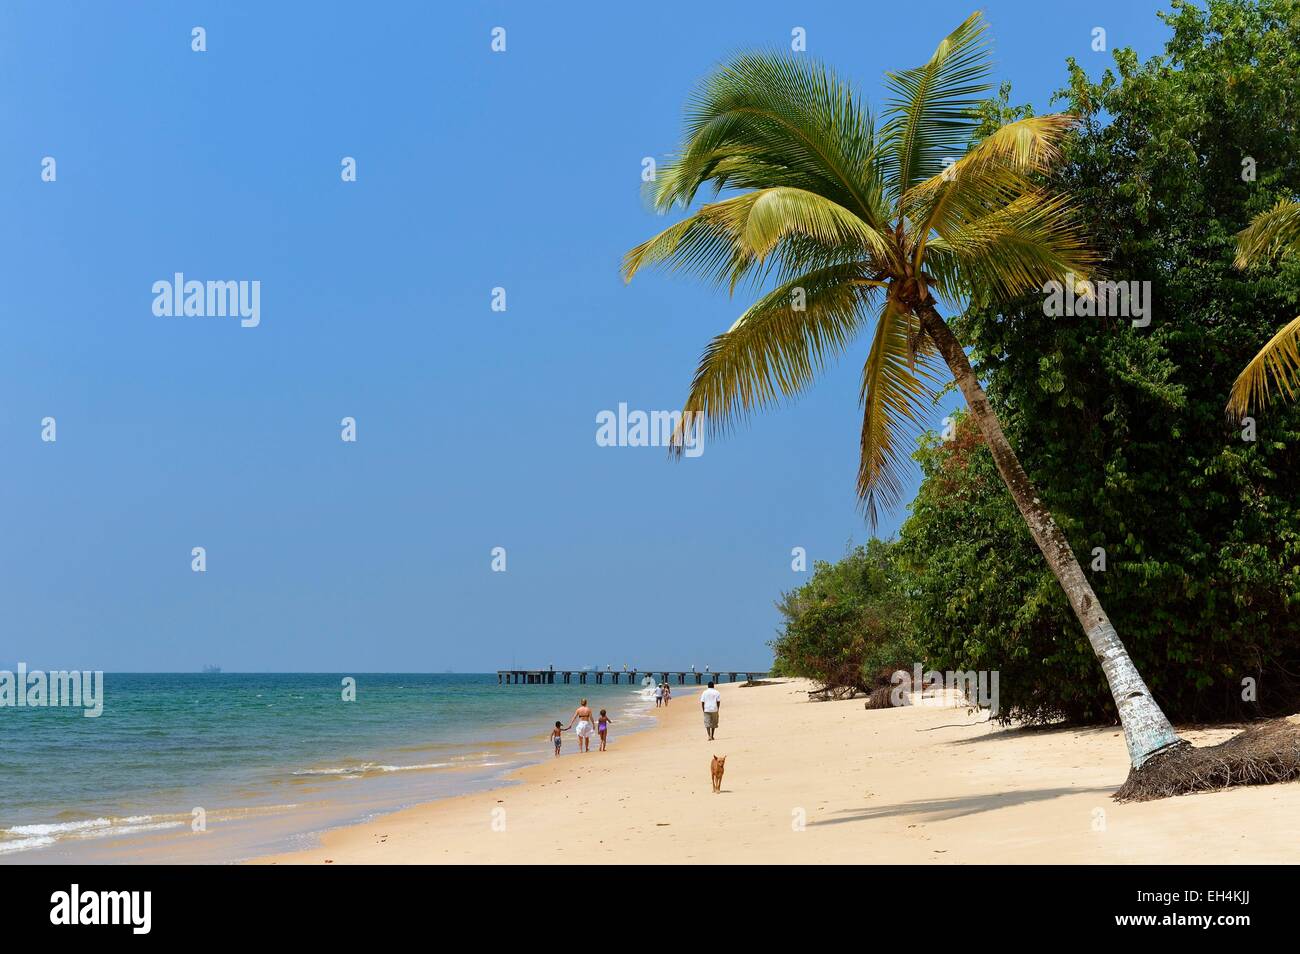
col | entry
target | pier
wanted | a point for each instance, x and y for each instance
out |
(598, 677)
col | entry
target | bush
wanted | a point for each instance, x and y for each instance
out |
(847, 627)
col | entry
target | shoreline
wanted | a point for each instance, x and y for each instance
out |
(541, 773)
(829, 782)
(292, 804)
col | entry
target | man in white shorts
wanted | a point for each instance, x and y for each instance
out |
(582, 716)
(710, 703)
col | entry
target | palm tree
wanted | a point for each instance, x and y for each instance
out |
(1270, 233)
(854, 223)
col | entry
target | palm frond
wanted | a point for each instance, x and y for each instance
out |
(1031, 240)
(1270, 233)
(699, 244)
(899, 383)
(728, 239)
(996, 171)
(775, 350)
(1279, 360)
(933, 110)
(944, 276)
(762, 219)
(767, 120)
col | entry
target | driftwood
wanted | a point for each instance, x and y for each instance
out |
(879, 698)
(826, 693)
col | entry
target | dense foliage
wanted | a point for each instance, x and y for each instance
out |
(847, 626)
(1122, 427)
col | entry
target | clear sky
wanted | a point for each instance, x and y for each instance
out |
(475, 428)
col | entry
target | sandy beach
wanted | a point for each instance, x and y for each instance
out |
(830, 782)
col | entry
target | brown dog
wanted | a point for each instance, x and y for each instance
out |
(715, 769)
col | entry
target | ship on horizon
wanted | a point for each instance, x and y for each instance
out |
(209, 668)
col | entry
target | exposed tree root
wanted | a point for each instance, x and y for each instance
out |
(1261, 755)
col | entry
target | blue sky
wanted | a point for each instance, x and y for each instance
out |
(476, 429)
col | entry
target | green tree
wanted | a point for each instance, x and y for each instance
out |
(979, 596)
(1122, 427)
(847, 626)
(855, 223)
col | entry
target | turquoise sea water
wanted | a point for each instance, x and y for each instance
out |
(266, 759)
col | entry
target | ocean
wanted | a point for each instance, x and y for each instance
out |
(223, 766)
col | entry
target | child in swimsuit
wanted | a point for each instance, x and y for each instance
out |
(556, 737)
(602, 726)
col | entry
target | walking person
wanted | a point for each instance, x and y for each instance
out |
(602, 727)
(710, 704)
(659, 694)
(582, 717)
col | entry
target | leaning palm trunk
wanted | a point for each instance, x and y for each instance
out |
(1146, 729)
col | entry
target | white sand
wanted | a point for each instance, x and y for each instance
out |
(913, 785)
